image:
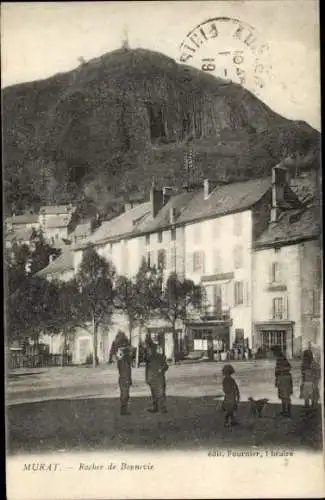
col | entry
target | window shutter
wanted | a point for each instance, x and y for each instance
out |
(230, 294)
(271, 308)
(203, 262)
(246, 293)
(285, 307)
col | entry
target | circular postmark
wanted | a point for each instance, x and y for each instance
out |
(230, 49)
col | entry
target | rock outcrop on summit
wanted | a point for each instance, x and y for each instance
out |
(105, 129)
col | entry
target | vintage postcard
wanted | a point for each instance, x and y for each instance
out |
(163, 255)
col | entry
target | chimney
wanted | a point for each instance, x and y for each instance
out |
(127, 206)
(52, 257)
(167, 194)
(206, 188)
(156, 200)
(279, 181)
(172, 215)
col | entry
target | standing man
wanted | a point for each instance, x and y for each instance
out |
(124, 361)
(156, 367)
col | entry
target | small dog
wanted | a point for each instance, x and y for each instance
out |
(257, 406)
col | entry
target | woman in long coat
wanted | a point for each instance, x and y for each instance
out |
(283, 382)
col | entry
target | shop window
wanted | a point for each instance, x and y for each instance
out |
(239, 335)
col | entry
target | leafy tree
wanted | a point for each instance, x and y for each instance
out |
(41, 252)
(177, 296)
(15, 262)
(138, 297)
(93, 301)
(31, 309)
(127, 300)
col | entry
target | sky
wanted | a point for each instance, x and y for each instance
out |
(39, 40)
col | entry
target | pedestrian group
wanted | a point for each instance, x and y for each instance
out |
(155, 375)
(156, 367)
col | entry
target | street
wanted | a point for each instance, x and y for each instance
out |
(77, 408)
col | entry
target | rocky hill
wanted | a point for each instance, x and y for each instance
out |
(105, 129)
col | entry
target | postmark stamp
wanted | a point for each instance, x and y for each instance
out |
(231, 49)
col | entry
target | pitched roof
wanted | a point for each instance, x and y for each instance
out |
(126, 223)
(58, 221)
(61, 264)
(82, 228)
(23, 219)
(177, 203)
(56, 209)
(19, 234)
(225, 199)
(292, 226)
(304, 188)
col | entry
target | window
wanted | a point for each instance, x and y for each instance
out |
(216, 228)
(275, 272)
(217, 262)
(197, 233)
(217, 298)
(159, 237)
(239, 293)
(239, 335)
(147, 239)
(238, 257)
(150, 259)
(161, 259)
(316, 302)
(277, 307)
(173, 234)
(237, 224)
(198, 261)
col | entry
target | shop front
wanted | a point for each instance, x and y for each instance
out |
(274, 335)
(211, 338)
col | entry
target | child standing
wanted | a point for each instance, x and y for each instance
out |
(232, 396)
(283, 382)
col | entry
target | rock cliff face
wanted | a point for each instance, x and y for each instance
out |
(115, 122)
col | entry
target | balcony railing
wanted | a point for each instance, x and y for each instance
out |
(215, 313)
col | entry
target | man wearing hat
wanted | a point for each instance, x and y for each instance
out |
(156, 367)
(124, 361)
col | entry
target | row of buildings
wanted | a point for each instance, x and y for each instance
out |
(57, 223)
(255, 246)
